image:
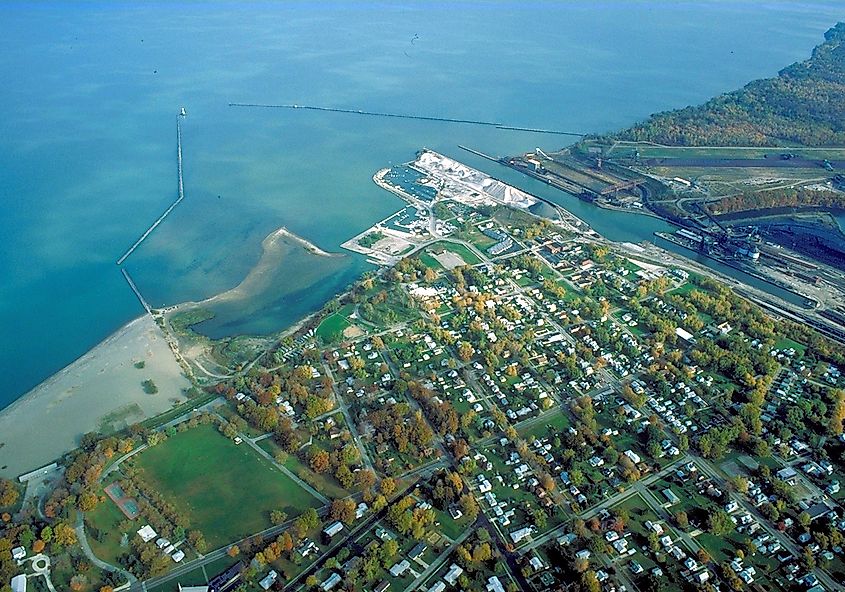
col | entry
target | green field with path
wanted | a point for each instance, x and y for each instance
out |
(226, 490)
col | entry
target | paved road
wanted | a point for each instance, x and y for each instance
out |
(604, 504)
(785, 541)
(273, 531)
(353, 429)
(439, 561)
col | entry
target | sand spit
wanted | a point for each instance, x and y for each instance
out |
(255, 281)
(101, 389)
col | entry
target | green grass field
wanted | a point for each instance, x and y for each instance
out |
(105, 518)
(226, 490)
(430, 261)
(332, 327)
(464, 253)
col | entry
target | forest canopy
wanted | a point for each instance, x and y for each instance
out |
(804, 104)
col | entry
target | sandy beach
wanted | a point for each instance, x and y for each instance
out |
(100, 390)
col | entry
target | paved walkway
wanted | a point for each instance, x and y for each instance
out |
(86, 548)
(45, 572)
(286, 471)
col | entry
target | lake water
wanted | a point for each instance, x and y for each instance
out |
(90, 96)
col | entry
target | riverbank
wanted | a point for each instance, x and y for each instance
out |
(100, 391)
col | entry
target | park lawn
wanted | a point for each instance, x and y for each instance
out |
(332, 327)
(325, 483)
(105, 536)
(552, 424)
(463, 252)
(430, 261)
(226, 490)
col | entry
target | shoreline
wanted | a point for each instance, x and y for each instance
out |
(99, 390)
(255, 274)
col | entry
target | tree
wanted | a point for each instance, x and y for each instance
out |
(719, 522)
(38, 546)
(344, 476)
(682, 520)
(482, 552)
(469, 506)
(379, 503)
(197, 541)
(320, 461)
(8, 493)
(590, 581)
(88, 501)
(278, 517)
(286, 542)
(343, 510)
(234, 551)
(63, 535)
(365, 478)
(465, 351)
(388, 486)
(388, 551)
(78, 582)
(739, 483)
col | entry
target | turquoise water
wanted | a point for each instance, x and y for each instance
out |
(91, 92)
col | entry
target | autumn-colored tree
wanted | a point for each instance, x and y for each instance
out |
(343, 510)
(78, 582)
(8, 493)
(388, 486)
(286, 542)
(63, 535)
(469, 506)
(482, 553)
(320, 461)
(38, 546)
(344, 476)
(365, 478)
(837, 416)
(233, 551)
(88, 501)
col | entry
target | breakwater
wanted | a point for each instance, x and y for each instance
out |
(495, 124)
(135, 289)
(179, 197)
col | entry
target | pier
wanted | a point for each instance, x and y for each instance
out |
(494, 124)
(179, 197)
(136, 290)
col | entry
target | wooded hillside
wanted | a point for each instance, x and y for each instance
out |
(804, 104)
